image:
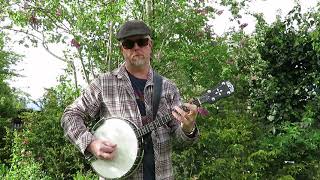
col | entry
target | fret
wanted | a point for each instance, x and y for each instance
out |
(150, 128)
(144, 131)
(147, 128)
(138, 132)
(153, 125)
(158, 123)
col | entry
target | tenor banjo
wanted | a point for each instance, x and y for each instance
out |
(130, 137)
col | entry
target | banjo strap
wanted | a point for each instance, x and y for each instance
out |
(157, 88)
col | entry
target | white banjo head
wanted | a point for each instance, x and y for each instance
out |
(119, 132)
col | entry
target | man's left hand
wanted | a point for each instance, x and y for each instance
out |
(187, 118)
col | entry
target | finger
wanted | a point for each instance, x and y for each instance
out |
(107, 149)
(108, 143)
(108, 156)
(180, 111)
(192, 108)
(178, 117)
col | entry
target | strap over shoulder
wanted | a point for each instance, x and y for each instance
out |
(157, 88)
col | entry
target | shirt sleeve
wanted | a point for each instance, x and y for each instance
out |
(84, 108)
(175, 125)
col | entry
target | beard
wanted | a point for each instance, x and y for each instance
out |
(139, 61)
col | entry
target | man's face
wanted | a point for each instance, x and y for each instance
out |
(136, 51)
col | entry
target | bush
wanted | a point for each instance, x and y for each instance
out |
(23, 165)
(45, 138)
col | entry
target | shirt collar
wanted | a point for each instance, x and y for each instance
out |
(122, 73)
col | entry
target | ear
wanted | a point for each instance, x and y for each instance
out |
(120, 48)
(151, 43)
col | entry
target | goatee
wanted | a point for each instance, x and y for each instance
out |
(139, 62)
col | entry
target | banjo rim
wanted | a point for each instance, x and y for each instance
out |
(140, 151)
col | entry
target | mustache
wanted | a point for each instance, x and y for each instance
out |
(133, 55)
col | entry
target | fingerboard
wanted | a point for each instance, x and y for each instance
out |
(153, 125)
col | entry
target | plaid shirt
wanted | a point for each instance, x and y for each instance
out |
(111, 95)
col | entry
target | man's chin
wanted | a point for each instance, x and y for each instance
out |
(139, 62)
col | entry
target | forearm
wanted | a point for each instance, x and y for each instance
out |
(76, 131)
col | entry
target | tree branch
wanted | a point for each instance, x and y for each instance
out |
(83, 66)
(21, 31)
(45, 45)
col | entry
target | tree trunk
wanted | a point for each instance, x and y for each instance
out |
(109, 55)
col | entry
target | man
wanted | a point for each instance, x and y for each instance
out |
(127, 92)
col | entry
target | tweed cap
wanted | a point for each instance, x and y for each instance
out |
(133, 28)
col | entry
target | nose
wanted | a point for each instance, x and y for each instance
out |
(136, 46)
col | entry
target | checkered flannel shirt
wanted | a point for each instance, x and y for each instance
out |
(111, 95)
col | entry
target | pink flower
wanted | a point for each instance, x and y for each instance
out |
(58, 12)
(75, 43)
(33, 20)
(203, 112)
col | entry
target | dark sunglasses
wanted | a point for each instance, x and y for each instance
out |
(129, 44)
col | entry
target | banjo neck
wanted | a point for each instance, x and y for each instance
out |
(158, 122)
(153, 125)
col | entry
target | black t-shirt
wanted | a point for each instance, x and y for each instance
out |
(148, 159)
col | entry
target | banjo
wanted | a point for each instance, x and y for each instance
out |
(130, 138)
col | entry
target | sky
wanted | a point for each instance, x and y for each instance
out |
(40, 70)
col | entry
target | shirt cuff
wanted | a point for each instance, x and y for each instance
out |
(193, 133)
(84, 141)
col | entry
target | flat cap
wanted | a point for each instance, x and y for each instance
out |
(133, 28)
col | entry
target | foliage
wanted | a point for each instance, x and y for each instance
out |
(23, 164)
(60, 158)
(223, 151)
(279, 66)
(85, 176)
(10, 100)
(285, 96)
(269, 128)
(3, 170)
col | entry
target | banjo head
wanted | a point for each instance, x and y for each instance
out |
(128, 151)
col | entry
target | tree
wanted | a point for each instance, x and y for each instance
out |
(86, 28)
(10, 101)
(285, 96)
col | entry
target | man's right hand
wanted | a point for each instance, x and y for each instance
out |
(102, 149)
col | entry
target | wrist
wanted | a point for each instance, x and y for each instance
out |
(189, 130)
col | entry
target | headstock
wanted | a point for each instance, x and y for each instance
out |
(223, 89)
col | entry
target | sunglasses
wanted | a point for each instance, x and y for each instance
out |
(129, 44)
